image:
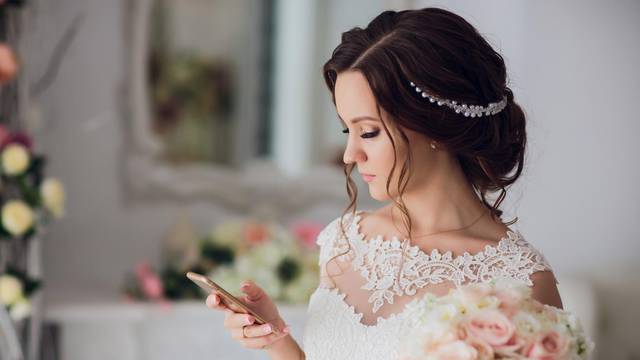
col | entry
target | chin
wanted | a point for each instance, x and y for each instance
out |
(379, 195)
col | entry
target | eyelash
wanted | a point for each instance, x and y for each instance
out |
(365, 135)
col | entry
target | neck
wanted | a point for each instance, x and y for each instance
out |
(442, 201)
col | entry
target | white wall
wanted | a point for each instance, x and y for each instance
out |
(572, 66)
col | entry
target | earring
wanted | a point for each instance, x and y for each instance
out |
(433, 146)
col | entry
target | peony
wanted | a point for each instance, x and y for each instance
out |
(17, 217)
(53, 195)
(490, 326)
(550, 345)
(15, 159)
(10, 289)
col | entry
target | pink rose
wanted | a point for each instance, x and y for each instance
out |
(8, 64)
(482, 348)
(255, 233)
(307, 232)
(149, 282)
(489, 326)
(511, 348)
(547, 346)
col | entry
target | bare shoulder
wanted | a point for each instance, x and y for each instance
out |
(545, 289)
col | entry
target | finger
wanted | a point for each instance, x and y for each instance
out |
(253, 291)
(213, 302)
(255, 330)
(261, 341)
(237, 320)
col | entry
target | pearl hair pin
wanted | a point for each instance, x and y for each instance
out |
(464, 109)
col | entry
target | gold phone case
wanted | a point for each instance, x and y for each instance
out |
(229, 300)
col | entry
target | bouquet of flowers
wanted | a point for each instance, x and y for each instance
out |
(283, 261)
(494, 320)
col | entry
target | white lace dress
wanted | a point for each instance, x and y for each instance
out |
(365, 323)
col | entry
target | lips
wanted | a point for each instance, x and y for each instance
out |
(367, 177)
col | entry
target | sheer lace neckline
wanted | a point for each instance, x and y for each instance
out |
(386, 292)
(395, 242)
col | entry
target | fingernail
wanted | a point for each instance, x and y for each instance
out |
(285, 330)
(267, 328)
(249, 319)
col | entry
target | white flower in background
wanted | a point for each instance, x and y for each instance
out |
(263, 274)
(17, 217)
(299, 290)
(15, 159)
(10, 289)
(268, 281)
(53, 196)
(20, 310)
(227, 277)
(269, 255)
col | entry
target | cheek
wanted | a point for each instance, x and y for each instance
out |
(381, 154)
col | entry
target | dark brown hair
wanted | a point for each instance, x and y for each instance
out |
(441, 52)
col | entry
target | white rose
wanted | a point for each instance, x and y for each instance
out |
(20, 310)
(10, 289)
(15, 159)
(17, 217)
(53, 195)
(454, 350)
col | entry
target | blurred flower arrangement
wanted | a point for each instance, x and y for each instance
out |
(28, 203)
(281, 260)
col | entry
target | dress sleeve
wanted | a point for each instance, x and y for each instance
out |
(326, 238)
(531, 261)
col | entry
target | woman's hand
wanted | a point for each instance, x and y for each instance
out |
(255, 336)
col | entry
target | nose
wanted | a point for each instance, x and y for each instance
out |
(353, 153)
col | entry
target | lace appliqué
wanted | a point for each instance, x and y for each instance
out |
(378, 261)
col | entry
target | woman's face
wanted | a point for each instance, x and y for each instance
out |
(368, 145)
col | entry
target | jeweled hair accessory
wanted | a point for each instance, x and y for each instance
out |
(464, 109)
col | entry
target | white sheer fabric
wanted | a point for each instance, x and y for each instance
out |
(358, 313)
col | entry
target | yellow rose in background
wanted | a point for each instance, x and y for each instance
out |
(53, 196)
(10, 289)
(17, 217)
(15, 159)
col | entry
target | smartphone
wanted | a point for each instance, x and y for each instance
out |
(229, 300)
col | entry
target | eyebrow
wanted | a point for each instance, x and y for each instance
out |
(360, 118)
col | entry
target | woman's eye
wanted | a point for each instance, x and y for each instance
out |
(365, 135)
(370, 134)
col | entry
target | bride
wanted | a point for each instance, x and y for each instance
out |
(433, 128)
